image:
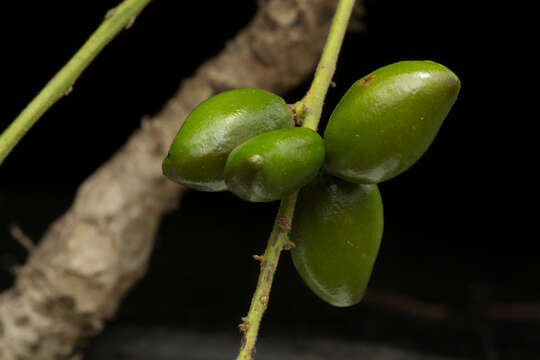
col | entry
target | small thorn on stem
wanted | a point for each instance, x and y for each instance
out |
(244, 325)
(289, 245)
(68, 91)
(131, 22)
(333, 84)
(110, 13)
(284, 224)
(258, 257)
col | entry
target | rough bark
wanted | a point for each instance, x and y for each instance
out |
(91, 256)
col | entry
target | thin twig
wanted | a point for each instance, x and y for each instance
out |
(61, 84)
(278, 238)
(314, 99)
(309, 116)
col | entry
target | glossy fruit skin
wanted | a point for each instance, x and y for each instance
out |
(275, 164)
(214, 128)
(337, 229)
(387, 120)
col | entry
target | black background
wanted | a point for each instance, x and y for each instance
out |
(459, 224)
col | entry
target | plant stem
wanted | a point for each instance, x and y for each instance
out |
(116, 19)
(309, 111)
(277, 241)
(314, 99)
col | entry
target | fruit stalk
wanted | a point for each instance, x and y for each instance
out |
(309, 111)
(61, 84)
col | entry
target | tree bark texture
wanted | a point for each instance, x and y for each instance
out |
(93, 255)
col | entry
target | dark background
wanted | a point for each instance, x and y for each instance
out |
(458, 229)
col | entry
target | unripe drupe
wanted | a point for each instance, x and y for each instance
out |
(337, 229)
(387, 120)
(214, 128)
(275, 164)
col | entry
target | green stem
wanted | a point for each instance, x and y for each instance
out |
(269, 261)
(116, 19)
(309, 111)
(314, 99)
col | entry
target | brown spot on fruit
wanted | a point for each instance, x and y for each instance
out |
(367, 80)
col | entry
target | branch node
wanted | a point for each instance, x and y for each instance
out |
(299, 112)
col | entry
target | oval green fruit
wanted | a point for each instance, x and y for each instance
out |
(214, 128)
(337, 229)
(387, 120)
(275, 164)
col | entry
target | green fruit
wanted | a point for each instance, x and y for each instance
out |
(337, 228)
(387, 120)
(275, 164)
(214, 128)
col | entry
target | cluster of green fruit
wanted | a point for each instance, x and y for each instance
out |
(244, 140)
